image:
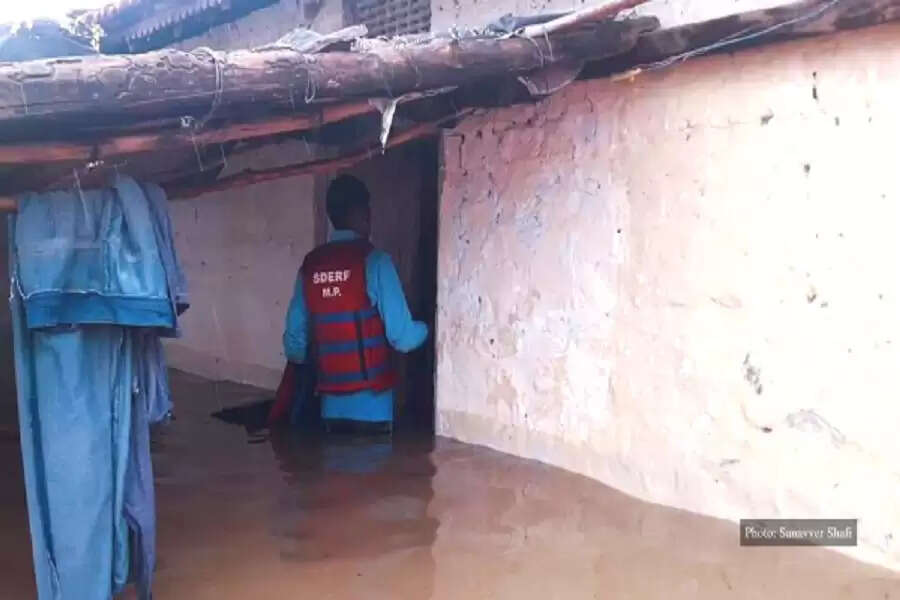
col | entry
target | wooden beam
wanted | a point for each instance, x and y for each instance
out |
(798, 19)
(782, 23)
(318, 167)
(58, 151)
(169, 83)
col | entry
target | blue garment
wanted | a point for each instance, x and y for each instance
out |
(95, 282)
(92, 257)
(75, 426)
(403, 334)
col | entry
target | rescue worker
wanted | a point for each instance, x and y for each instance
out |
(349, 303)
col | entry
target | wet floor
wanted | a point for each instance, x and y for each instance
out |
(287, 517)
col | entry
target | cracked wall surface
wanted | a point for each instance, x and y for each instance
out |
(686, 285)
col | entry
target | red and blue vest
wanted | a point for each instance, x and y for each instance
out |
(352, 351)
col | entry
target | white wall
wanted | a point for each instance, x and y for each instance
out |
(241, 250)
(688, 286)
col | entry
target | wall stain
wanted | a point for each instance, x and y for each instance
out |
(728, 301)
(752, 375)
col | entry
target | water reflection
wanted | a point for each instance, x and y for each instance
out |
(406, 518)
(354, 496)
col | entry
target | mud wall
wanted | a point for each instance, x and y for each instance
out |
(686, 286)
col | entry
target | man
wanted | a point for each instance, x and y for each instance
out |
(349, 302)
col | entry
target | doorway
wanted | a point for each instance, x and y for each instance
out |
(403, 184)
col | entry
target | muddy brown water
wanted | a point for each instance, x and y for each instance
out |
(349, 518)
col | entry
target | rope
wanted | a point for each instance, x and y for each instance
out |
(220, 85)
(311, 87)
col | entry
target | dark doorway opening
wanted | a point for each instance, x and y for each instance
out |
(404, 187)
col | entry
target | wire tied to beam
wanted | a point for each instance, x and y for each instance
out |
(549, 45)
(311, 88)
(218, 64)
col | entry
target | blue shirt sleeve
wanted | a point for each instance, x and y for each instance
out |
(386, 294)
(295, 328)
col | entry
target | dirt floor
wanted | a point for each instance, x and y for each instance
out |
(285, 516)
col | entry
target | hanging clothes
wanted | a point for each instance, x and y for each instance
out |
(95, 283)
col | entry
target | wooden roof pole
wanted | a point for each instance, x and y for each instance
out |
(172, 84)
(58, 151)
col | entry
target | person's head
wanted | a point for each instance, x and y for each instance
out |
(347, 204)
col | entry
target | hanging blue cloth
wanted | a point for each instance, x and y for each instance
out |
(95, 283)
(91, 258)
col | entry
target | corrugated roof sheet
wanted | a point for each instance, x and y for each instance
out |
(111, 11)
(164, 18)
(129, 12)
(143, 25)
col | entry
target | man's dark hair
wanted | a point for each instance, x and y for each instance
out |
(345, 194)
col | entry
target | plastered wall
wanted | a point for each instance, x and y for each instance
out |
(241, 250)
(687, 286)
(476, 13)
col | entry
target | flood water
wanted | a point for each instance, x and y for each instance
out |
(288, 516)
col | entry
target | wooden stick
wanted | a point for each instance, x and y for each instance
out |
(317, 167)
(604, 10)
(69, 92)
(781, 23)
(48, 152)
